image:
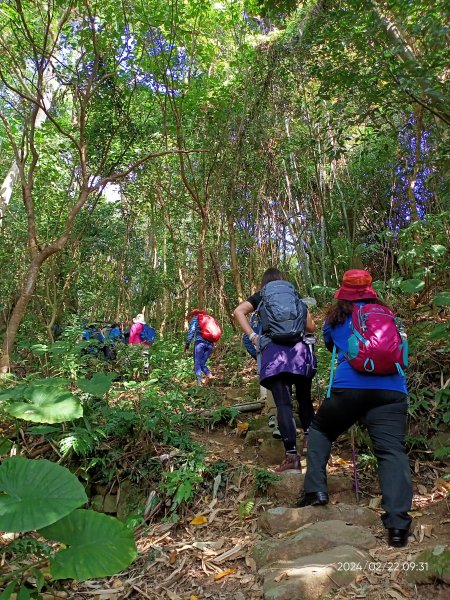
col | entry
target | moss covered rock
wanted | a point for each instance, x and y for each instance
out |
(431, 565)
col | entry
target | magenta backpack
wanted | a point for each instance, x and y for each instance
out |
(378, 343)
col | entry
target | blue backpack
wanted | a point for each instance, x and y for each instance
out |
(148, 334)
(282, 313)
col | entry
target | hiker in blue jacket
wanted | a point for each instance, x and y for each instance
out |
(202, 349)
(92, 333)
(380, 400)
(115, 335)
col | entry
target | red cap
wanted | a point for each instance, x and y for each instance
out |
(356, 285)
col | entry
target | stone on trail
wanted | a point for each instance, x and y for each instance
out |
(270, 451)
(290, 486)
(313, 577)
(282, 520)
(105, 504)
(312, 539)
(431, 565)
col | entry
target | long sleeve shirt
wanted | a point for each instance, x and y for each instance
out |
(345, 375)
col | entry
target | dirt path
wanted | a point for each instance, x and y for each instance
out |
(210, 552)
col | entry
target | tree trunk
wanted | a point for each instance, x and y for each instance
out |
(7, 189)
(50, 87)
(234, 259)
(165, 299)
(201, 270)
(222, 293)
(19, 311)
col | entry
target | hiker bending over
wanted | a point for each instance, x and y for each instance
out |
(204, 331)
(369, 384)
(286, 359)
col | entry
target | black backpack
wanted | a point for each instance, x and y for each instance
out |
(282, 312)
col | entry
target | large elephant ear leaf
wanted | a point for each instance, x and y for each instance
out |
(47, 404)
(35, 493)
(13, 393)
(98, 385)
(97, 546)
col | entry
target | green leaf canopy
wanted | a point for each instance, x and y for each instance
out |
(36, 493)
(99, 546)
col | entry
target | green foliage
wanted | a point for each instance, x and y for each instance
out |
(296, 159)
(97, 546)
(226, 414)
(5, 445)
(24, 547)
(442, 453)
(46, 404)
(264, 479)
(81, 440)
(180, 486)
(412, 286)
(245, 508)
(426, 261)
(120, 421)
(98, 385)
(66, 357)
(40, 495)
(36, 493)
(367, 461)
(42, 401)
(442, 299)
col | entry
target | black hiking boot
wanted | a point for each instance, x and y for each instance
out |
(398, 538)
(313, 499)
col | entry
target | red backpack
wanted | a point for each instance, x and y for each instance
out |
(209, 327)
(378, 343)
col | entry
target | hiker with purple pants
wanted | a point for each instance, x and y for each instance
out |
(379, 400)
(283, 363)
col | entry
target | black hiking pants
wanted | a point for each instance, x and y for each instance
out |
(281, 386)
(384, 413)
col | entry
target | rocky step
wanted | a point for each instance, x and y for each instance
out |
(313, 577)
(311, 539)
(307, 552)
(289, 488)
(282, 520)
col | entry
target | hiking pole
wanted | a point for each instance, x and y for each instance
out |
(355, 466)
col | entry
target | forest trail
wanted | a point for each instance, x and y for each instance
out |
(159, 156)
(240, 544)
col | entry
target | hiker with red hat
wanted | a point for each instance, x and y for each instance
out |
(369, 384)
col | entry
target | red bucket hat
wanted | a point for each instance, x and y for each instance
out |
(356, 285)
